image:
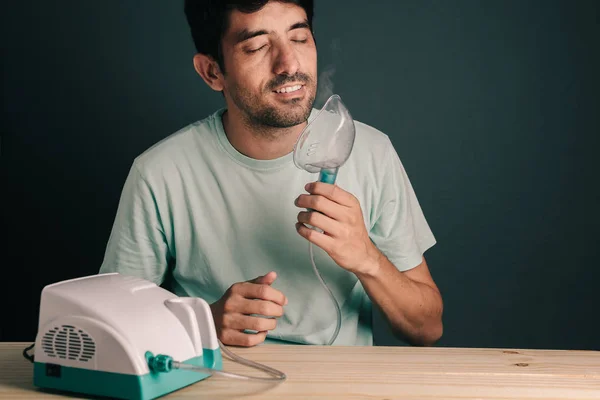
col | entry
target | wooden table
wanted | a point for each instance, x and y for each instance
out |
(316, 372)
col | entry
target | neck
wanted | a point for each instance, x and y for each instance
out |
(260, 143)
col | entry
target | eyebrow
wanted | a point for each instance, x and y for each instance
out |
(245, 34)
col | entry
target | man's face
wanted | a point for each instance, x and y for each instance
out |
(270, 62)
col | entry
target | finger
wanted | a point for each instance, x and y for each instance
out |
(262, 292)
(236, 338)
(321, 221)
(322, 204)
(319, 239)
(267, 279)
(332, 192)
(241, 322)
(259, 307)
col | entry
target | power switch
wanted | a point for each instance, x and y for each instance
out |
(53, 370)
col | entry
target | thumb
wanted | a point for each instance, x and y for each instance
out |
(267, 279)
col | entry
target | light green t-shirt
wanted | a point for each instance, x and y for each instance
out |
(192, 204)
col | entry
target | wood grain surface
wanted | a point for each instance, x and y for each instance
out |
(322, 372)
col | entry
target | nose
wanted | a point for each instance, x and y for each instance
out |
(286, 60)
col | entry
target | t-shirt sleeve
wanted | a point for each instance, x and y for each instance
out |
(400, 229)
(137, 245)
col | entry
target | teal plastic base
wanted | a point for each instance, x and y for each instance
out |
(123, 386)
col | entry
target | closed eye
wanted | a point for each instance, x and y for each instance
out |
(258, 49)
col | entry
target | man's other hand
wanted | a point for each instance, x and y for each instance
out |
(252, 305)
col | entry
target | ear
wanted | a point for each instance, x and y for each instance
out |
(209, 70)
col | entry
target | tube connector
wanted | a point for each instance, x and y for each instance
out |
(159, 362)
(328, 175)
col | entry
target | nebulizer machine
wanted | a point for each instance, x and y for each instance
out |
(127, 338)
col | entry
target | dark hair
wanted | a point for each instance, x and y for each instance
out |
(208, 21)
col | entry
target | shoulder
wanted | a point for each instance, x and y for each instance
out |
(371, 145)
(176, 147)
(371, 137)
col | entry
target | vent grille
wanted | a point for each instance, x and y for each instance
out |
(68, 343)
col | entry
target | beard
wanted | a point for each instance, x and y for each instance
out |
(262, 115)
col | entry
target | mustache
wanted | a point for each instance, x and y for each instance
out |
(280, 80)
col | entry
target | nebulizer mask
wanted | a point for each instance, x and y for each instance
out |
(323, 147)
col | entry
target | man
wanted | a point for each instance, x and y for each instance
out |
(220, 208)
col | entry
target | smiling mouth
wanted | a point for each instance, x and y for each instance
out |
(289, 89)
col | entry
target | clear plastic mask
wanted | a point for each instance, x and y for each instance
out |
(327, 141)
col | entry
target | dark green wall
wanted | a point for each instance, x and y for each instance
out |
(493, 107)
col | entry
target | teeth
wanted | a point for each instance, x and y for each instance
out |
(289, 89)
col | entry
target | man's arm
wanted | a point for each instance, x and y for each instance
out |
(410, 300)
(137, 243)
